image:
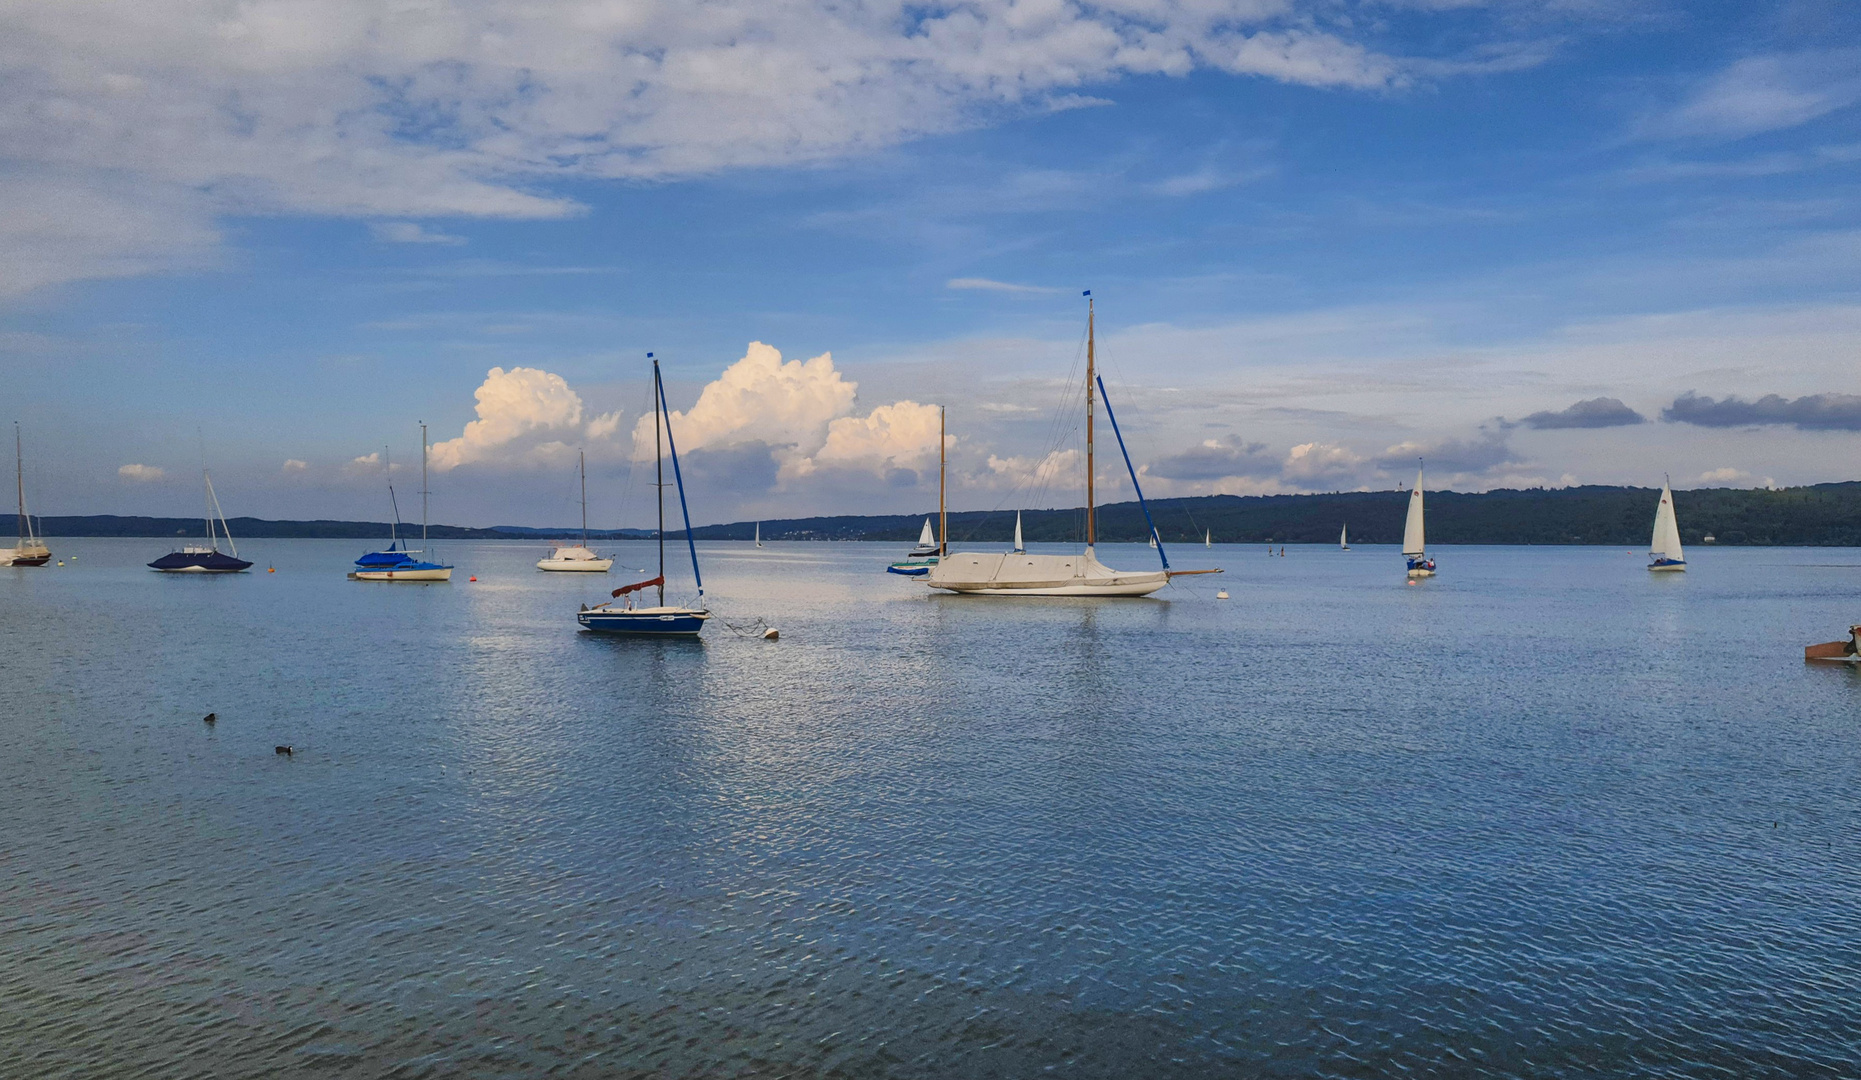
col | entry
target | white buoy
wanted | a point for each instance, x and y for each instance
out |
(770, 634)
(1222, 595)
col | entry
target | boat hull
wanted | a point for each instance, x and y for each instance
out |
(25, 560)
(649, 622)
(1667, 565)
(983, 574)
(199, 562)
(910, 569)
(576, 566)
(1420, 573)
(435, 573)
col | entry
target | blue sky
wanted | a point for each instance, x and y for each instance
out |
(1326, 238)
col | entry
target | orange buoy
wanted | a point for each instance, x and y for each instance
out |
(471, 579)
(271, 569)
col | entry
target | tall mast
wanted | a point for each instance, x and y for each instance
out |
(19, 461)
(659, 479)
(1091, 377)
(943, 515)
(207, 491)
(584, 457)
(423, 490)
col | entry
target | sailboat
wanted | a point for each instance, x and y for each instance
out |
(759, 534)
(1019, 548)
(31, 550)
(1208, 538)
(662, 620)
(400, 565)
(1005, 574)
(580, 557)
(1414, 546)
(1344, 538)
(1664, 549)
(207, 558)
(1153, 539)
(929, 550)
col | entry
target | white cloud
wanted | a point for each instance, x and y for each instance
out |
(410, 232)
(141, 474)
(1766, 93)
(1313, 463)
(526, 416)
(461, 107)
(760, 399)
(989, 285)
(293, 465)
(1726, 475)
(902, 435)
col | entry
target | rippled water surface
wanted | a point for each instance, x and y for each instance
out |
(1546, 815)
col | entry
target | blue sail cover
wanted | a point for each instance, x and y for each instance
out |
(200, 561)
(384, 560)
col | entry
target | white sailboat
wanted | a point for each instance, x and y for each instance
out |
(1208, 538)
(1664, 549)
(1020, 548)
(1022, 574)
(393, 565)
(1344, 538)
(759, 534)
(1414, 545)
(31, 550)
(579, 558)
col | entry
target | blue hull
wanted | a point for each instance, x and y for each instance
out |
(908, 569)
(633, 622)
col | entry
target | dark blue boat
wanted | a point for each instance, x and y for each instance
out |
(208, 558)
(660, 620)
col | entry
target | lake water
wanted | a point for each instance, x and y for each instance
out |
(1545, 815)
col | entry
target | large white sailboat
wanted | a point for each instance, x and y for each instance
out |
(1664, 551)
(1414, 542)
(579, 557)
(31, 550)
(1022, 574)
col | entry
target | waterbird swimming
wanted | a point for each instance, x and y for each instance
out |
(285, 750)
(209, 718)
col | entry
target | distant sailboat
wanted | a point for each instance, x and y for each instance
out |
(1344, 538)
(205, 558)
(1664, 549)
(1414, 546)
(1208, 538)
(31, 550)
(662, 620)
(1002, 574)
(580, 558)
(919, 562)
(1020, 548)
(759, 534)
(400, 565)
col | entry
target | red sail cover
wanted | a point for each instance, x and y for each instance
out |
(625, 589)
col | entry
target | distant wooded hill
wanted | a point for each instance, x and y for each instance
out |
(1822, 515)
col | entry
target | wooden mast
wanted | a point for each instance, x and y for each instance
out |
(943, 514)
(1091, 377)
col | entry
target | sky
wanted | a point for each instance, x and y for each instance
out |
(1529, 242)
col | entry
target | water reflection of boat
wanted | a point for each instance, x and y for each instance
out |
(661, 620)
(206, 558)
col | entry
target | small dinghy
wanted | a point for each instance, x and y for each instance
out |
(1842, 652)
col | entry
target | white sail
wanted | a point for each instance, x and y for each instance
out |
(927, 538)
(1344, 538)
(1412, 538)
(1666, 542)
(759, 534)
(1020, 548)
(1208, 538)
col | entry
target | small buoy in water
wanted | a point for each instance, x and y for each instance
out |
(271, 569)
(471, 579)
(210, 718)
(61, 562)
(770, 634)
(285, 750)
(1222, 595)
(1411, 581)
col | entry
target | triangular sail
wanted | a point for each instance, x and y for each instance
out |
(1413, 542)
(759, 534)
(927, 538)
(1208, 538)
(1666, 541)
(1019, 547)
(1344, 537)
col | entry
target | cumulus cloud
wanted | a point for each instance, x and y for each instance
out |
(410, 232)
(462, 107)
(1315, 463)
(293, 465)
(1598, 412)
(1058, 470)
(1815, 412)
(141, 474)
(526, 416)
(1483, 453)
(1215, 459)
(902, 435)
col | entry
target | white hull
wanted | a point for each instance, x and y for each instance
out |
(1421, 573)
(1669, 566)
(584, 566)
(444, 573)
(998, 574)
